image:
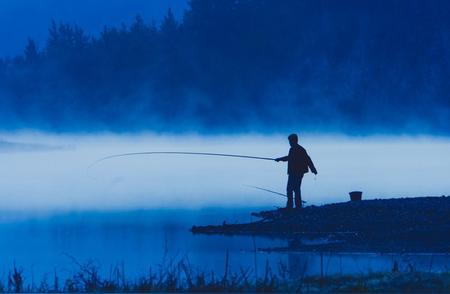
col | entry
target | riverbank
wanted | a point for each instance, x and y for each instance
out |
(419, 224)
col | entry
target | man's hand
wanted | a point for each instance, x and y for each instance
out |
(314, 172)
(277, 159)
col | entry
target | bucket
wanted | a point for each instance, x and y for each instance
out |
(355, 195)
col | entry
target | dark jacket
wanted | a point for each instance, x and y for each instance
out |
(298, 161)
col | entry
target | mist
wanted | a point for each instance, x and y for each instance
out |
(55, 177)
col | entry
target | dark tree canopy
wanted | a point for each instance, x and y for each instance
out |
(242, 65)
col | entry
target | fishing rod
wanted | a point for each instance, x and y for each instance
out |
(270, 191)
(267, 190)
(178, 153)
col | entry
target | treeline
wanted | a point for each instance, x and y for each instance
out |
(242, 65)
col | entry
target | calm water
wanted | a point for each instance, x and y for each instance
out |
(143, 239)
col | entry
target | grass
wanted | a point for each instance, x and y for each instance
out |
(179, 276)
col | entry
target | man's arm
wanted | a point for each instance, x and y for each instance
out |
(284, 158)
(311, 165)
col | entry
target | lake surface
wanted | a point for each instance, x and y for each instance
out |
(139, 240)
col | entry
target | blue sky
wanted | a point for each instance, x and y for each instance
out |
(20, 19)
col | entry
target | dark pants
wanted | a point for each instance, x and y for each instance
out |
(293, 186)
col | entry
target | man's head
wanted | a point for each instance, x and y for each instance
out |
(293, 139)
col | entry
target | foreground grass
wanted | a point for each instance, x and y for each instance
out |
(179, 277)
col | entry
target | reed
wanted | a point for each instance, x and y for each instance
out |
(179, 276)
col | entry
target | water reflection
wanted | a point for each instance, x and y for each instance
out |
(332, 263)
(140, 240)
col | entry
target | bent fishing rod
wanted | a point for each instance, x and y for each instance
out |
(178, 153)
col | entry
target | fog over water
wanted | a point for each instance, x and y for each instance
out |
(46, 172)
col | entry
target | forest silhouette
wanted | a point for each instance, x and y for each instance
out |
(231, 66)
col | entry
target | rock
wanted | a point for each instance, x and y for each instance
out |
(419, 220)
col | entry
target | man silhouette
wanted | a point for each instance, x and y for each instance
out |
(298, 164)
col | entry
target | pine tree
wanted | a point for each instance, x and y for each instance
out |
(31, 53)
(169, 24)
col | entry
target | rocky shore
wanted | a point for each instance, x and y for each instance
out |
(408, 224)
